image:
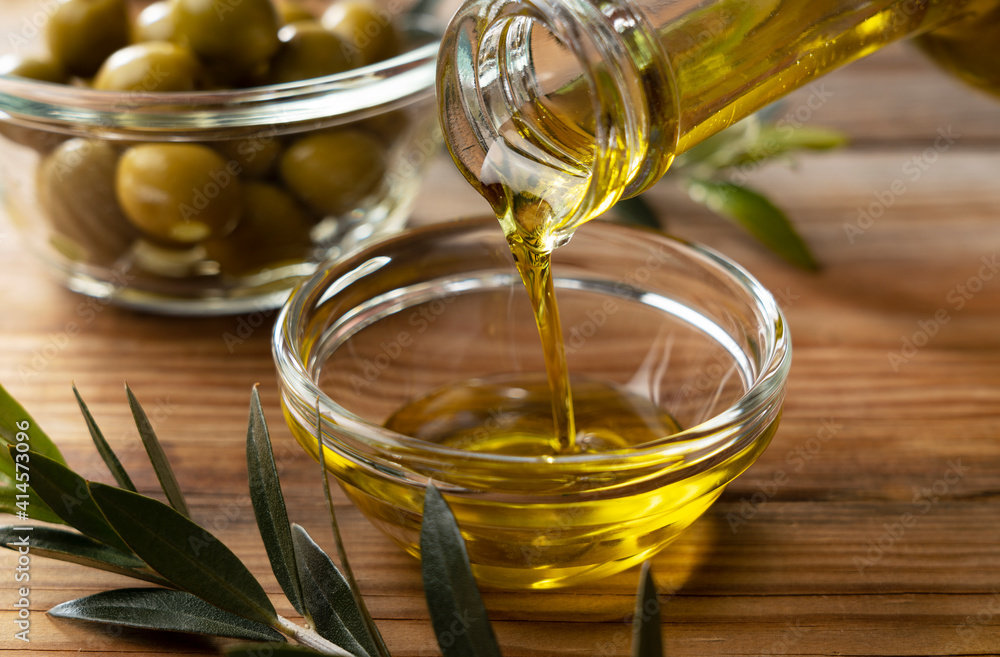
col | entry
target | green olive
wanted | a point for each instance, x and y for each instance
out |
(43, 69)
(150, 66)
(178, 193)
(334, 171)
(76, 190)
(155, 23)
(83, 33)
(237, 37)
(366, 28)
(255, 156)
(273, 229)
(291, 11)
(307, 51)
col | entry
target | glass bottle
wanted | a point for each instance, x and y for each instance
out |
(555, 109)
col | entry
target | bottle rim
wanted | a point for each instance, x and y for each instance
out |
(631, 86)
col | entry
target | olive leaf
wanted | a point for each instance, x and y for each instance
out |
(646, 638)
(15, 420)
(71, 547)
(269, 505)
(269, 650)
(773, 141)
(219, 596)
(161, 466)
(329, 599)
(449, 586)
(637, 211)
(720, 150)
(359, 601)
(12, 413)
(756, 214)
(748, 142)
(32, 506)
(67, 494)
(185, 554)
(103, 448)
(163, 609)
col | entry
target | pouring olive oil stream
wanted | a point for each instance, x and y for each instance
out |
(555, 109)
(530, 200)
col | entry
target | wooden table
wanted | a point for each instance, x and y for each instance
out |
(869, 526)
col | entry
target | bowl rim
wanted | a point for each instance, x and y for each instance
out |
(708, 438)
(340, 98)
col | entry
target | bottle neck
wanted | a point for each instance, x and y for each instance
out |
(554, 109)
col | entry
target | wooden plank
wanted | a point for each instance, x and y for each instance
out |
(868, 527)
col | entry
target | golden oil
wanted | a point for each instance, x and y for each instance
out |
(549, 165)
(581, 103)
(543, 522)
(533, 515)
(563, 152)
(512, 415)
(535, 268)
(552, 132)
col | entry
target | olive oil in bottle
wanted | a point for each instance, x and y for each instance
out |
(596, 97)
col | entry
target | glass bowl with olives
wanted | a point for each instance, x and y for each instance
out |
(202, 156)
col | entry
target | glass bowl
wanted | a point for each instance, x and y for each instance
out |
(684, 334)
(62, 144)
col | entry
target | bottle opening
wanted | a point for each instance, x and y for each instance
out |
(536, 80)
(543, 102)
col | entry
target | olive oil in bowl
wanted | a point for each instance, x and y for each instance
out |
(425, 358)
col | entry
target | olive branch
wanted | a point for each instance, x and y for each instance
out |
(713, 174)
(201, 586)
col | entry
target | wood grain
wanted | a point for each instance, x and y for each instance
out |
(869, 526)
